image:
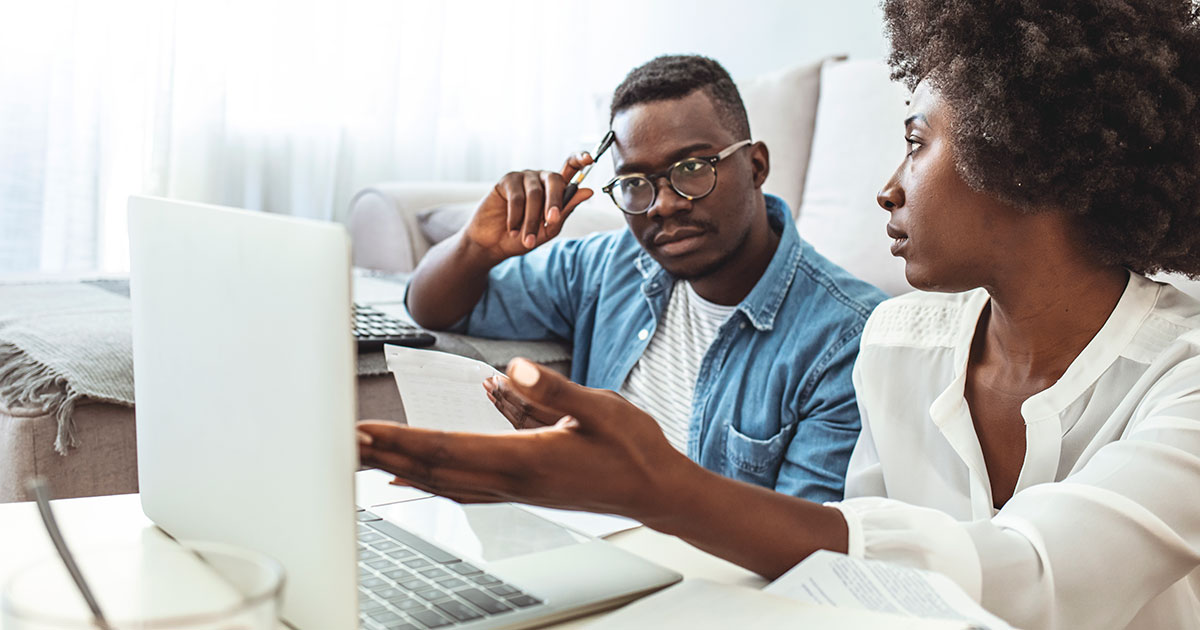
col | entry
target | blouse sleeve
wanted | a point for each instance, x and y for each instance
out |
(1086, 552)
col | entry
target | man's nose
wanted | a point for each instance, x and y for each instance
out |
(667, 202)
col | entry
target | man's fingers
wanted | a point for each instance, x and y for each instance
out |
(575, 163)
(581, 195)
(545, 387)
(535, 199)
(513, 191)
(467, 451)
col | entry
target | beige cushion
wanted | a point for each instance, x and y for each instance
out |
(858, 143)
(782, 107)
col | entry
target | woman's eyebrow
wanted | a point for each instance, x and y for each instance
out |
(921, 117)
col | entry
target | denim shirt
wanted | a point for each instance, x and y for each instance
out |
(773, 402)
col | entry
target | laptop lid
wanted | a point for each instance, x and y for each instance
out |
(244, 371)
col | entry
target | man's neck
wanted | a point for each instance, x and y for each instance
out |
(730, 284)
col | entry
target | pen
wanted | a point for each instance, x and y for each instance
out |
(578, 179)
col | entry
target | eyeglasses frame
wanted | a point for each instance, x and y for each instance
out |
(711, 160)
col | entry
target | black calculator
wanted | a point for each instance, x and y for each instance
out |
(373, 328)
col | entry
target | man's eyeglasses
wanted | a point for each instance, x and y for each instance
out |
(691, 178)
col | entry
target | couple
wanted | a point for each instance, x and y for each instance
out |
(1030, 419)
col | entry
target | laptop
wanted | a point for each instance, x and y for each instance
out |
(244, 370)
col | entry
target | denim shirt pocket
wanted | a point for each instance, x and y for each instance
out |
(754, 460)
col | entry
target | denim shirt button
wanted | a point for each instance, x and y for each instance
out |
(643, 333)
(742, 325)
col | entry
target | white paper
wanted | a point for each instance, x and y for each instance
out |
(598, 525)
(838, 580)
(444, 391)
(698, 604)
(373, 487)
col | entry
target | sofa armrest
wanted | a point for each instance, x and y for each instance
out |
(383, 220)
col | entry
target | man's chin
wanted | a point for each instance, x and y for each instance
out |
(691, 267)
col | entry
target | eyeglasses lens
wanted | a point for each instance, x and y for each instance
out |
(693, 178)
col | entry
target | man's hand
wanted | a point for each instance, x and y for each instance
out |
(521, 413)
(525, 210)
(602, 455)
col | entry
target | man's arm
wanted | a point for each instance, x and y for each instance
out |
(520, 213)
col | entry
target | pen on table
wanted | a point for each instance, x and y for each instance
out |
(578, 179)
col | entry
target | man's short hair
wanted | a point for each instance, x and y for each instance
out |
(675, 76)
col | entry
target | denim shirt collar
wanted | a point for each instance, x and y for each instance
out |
(762, 304)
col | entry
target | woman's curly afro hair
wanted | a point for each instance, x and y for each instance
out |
(1090, 106)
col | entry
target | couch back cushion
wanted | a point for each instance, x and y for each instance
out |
(858, 141)
(782, 107)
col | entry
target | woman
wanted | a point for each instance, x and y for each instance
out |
(1031, 419)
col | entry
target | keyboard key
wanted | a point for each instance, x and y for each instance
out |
(388, 592)
(380, 563)
(484, 579)
(398, 573)
(366, 604)
(463, 568)
(524, 601)
(450, 582)
(401, 553)
(503, 589)
(410, 540)
(370, 537)
(433, 573)
(432, 595)
(384, 616)
(373, 581)
(412, 583)
(485, 602)
(384, 545)
(417, 563)
(430, 619)
(405, 626)
(458, 610)
(410, 605)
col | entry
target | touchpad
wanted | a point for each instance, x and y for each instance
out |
(488, 532)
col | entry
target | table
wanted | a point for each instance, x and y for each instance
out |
(118, 519)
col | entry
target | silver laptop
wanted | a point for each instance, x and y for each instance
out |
(245, 382)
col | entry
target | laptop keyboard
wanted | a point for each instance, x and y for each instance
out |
(406, 583)
(373, 328)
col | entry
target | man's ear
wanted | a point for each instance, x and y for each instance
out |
(760, 161)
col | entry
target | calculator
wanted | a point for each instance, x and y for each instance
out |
(373, 328)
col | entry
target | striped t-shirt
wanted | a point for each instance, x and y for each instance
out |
(664, 378)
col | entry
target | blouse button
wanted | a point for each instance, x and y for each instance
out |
(643, 333)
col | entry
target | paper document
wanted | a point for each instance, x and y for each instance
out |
(444, 391)
(838, 580)
(703, 605)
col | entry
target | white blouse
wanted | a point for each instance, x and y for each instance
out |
(1104, 528)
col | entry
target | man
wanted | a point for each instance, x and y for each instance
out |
(709, 312)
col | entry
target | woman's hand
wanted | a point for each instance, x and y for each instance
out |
(602, 454)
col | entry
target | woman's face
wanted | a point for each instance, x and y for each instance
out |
(952, 238)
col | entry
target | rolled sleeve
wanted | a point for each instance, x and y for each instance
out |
(538, 295)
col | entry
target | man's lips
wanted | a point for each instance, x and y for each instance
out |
(677, 234)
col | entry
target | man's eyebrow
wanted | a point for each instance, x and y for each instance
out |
(637, 167)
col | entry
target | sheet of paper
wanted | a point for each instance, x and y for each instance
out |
(702, 605)
(444, 391)
(598, 525)
(373, 487)
(838, 580)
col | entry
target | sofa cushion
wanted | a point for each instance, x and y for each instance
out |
(782, 107)
(858, 142)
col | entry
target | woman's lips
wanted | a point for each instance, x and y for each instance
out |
(899, 238)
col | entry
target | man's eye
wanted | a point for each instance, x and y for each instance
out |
(633, 184)
(691, 167)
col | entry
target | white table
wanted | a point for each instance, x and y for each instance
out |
(119, 519)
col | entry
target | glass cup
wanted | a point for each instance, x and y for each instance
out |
(152, 585)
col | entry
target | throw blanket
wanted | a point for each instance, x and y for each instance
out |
(60, 342)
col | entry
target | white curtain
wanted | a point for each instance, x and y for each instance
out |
(293, 105)
(286, 106)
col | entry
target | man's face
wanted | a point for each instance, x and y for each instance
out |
(690, 239)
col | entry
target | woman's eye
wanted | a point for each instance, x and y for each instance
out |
(913, 144)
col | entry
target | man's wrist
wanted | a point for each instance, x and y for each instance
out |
(476, 255)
